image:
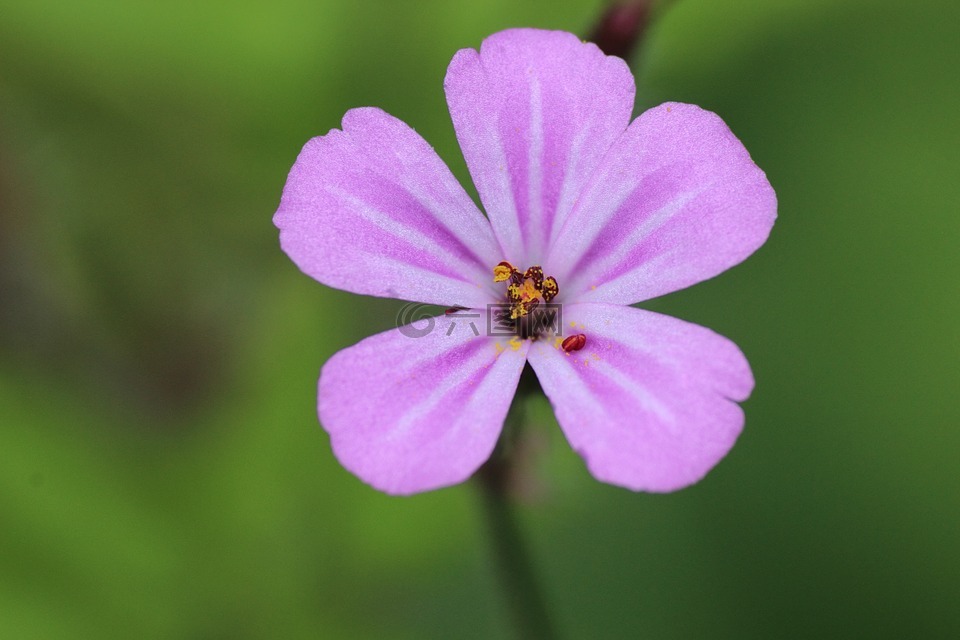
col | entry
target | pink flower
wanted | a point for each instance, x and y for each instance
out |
(615, 212)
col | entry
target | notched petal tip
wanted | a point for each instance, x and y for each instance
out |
(534, 112)
(371, 208)
(678, 200)
(683, 114)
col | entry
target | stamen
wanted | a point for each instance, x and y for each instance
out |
(550, 289)
(535, 273)
(524, 308)
(503, 271)
(529, 291)
(525, 292)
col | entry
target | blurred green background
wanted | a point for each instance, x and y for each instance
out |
(162, 473)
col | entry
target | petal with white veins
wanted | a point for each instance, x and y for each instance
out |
(534, 113)
(373, 210)
(650, 402)
(410, 414)
(676, 201)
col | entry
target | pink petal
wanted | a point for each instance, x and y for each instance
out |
(676, 201)
(534, 112)
(650, 401)
(410, 414)
(372, 209)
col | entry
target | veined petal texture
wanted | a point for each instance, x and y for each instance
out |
(534, 112)
(409, 414)
(650, 402)
(677, 200)
(372, 209)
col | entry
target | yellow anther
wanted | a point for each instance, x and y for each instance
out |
(536, 274)
(503, 271)
(550, 288)
(526, 290)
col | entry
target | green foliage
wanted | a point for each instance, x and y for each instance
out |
(162, 474)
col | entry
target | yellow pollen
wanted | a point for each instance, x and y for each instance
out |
(550, 288)
(525, 290)
(501, 273)
(528, 291)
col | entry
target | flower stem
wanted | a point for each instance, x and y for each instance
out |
(520, 586)
(519, 583)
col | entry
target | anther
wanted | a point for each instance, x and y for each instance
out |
(574, 343)
(503, 271)
(550, 288)
(535, 273)
(526, 291)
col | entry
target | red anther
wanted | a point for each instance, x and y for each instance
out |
(535, 273)
(574, 343)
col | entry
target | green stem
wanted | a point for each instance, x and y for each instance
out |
(520, 586)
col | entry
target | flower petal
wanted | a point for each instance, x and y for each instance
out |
(650, 401)
(409, 414)
(676, 201)
(372, 209)
(534, 112)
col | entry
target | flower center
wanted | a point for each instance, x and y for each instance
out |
(526, 290)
